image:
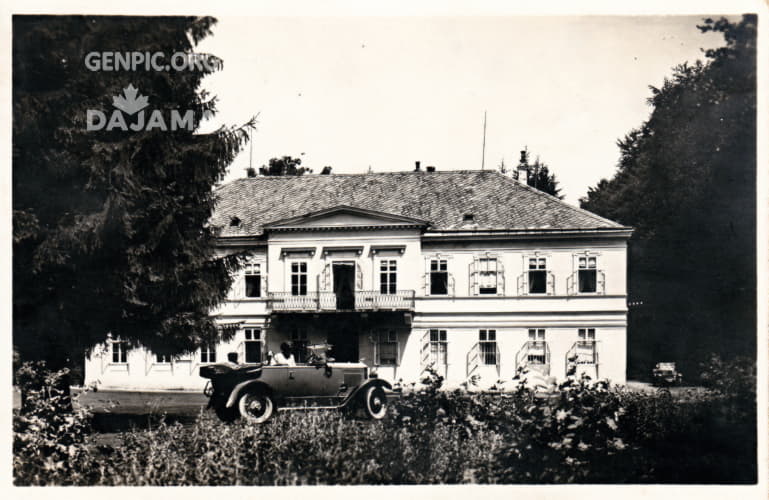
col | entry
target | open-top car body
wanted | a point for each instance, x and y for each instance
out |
(256, 391)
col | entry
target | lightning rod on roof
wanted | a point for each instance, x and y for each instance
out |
(483, 154)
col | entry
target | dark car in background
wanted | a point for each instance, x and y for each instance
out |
(256, 391)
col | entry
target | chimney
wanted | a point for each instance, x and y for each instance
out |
(430, 169)
(417, 166)
(522, 170)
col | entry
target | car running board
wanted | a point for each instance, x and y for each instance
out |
(305, 408)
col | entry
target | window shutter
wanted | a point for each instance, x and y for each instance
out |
(358, 277)
(473, 276)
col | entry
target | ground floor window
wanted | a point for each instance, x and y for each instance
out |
(537, 354)
(387, 348)
(487, 342)
(299, 344)
(119, 351)
(253, 345)
(208, 354)
(438, 347)
(586, 347)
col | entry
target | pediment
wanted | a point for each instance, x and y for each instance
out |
(344, 217)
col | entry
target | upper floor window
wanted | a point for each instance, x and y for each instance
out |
(387, 347)
(119, 351)
(208, 353)
(486, 276)
(299, 278)
(588, 275)
(388, 276)
(487, 342)
(299, 344)
(253, 273)
(252, 345)
(439, 277)
(537, 275)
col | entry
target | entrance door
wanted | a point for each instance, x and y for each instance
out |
(344, 285)
(344, 342)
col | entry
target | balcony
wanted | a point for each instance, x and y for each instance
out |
(365, 300)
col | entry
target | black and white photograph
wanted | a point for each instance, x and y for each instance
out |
(427, 245)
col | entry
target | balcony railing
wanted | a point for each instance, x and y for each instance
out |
(313, 301)
(368, 300)
(365, 300)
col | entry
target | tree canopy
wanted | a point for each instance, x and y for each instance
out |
(110, 229)
(686, 181)
(539, 176)
(284, 165)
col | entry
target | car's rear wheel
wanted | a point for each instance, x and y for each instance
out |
(256, 408)
(375, 402)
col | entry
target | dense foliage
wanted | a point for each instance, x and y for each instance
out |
(109, 226)
(686, 182)
(539, 175)
(583, 433)
(284, 165)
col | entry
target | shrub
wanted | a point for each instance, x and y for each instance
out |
(48, 436)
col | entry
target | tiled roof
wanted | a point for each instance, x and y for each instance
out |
(442, 198)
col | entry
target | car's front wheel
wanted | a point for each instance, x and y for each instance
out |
(256, 407)
(375, 402)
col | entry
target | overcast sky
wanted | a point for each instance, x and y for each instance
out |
(383, 92)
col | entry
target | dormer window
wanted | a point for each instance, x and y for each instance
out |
(468, 218)
(234, 221)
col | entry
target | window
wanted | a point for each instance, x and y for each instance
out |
(537, 275)
(587, 275)
(162, 358)
(253, 345)
(298, 278)
(586, 334)
(487, 341)
(208, 354)
(438, 347)
(387, 347)
(537, 351)
(253, 280)
(487, 276)
(387, 277)
(439, 277)
(586, 348)
(119, 351)
(299, 344)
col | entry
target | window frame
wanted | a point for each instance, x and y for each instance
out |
(207, 351)
(300, 275)
(487, 346)
(439, 347)
(539, 337)
(587, 269)
(387, 336)
(253, 334)
(440, 262)
(122, 352)
(388, 278)
(253, 269)
(537, 269)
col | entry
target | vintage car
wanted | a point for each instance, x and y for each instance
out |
(256, 391)
(665, 374)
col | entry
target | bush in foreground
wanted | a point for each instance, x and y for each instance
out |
(584, 433)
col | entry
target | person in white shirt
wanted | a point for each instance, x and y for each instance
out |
(284, 357)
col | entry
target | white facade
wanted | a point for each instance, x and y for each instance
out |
(539, 298)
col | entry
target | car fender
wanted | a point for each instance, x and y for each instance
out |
(242, 387)
(364, 386)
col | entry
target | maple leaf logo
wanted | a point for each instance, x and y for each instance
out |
(129, 102)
